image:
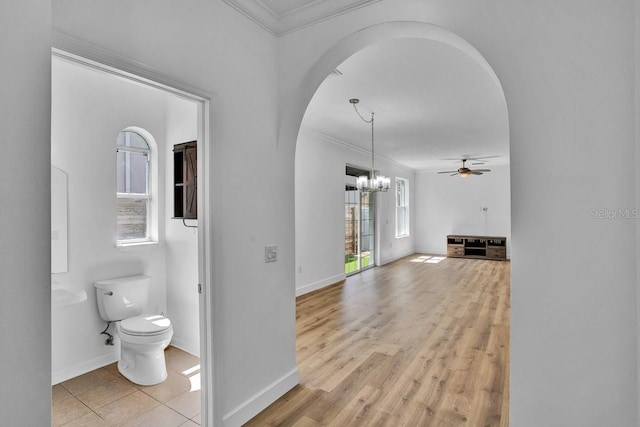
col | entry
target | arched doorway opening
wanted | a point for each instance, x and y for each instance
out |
(294, 117)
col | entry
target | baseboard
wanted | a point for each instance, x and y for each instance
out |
(261, 400)
(319, 284)
(82, 368)
(436, 252)
(402, 255)
(189, 347)
(99, 362)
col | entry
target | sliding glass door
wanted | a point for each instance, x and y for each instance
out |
(358, 230)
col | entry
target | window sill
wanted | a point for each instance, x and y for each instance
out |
(134, 245)
(404, 236)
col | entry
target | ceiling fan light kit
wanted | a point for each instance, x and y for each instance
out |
(372, 183)
(464, 171)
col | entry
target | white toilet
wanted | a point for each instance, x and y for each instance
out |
(143, 337)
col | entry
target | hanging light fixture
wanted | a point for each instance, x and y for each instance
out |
(373, 182)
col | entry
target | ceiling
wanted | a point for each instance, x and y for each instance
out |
(432, 103)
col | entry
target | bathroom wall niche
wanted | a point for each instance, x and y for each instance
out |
(58, 220)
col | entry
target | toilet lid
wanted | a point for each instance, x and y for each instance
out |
(146, 324)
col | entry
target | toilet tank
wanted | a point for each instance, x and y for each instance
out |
(123, 297)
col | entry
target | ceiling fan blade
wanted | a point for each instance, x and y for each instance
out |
(482, 157)
(464, 157)
(481, 170)
(454, 174)
(448, 172)
(475, 172)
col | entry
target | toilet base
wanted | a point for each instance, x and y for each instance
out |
(143, 369)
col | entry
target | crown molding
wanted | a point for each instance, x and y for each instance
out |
(353, 147)
(281, 21)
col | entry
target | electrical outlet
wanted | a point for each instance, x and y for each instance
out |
(270, 253)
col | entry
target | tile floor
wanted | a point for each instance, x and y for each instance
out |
(105, 398)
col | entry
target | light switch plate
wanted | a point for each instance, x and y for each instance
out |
(270, 253)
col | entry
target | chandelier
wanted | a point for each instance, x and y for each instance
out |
(373, 182)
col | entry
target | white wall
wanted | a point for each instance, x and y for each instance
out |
(453, 205)
(637, 182)
(561, 117)
(181, 242)
(25, 261)
(566, 71)
(320, 182)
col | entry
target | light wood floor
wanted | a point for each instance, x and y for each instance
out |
(407, 344)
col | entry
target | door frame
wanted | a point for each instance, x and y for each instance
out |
(102, 60)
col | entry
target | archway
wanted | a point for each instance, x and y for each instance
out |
(339, 53)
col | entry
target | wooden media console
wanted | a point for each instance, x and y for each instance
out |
(479, 247)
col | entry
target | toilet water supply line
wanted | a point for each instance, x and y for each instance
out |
(108, 341)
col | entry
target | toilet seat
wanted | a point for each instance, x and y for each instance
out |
(145, 325)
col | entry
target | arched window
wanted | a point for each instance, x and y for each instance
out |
(133, 188)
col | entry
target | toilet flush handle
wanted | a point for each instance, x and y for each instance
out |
(108, 293)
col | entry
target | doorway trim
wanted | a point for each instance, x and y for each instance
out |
(94, 57)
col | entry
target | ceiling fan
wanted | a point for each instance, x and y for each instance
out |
(465, 171)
